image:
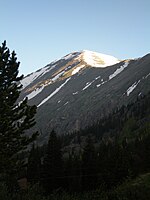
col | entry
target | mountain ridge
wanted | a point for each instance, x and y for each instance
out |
(83, 56)
(77, 89)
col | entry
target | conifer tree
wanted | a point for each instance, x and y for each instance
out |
(34, 165)
(52, 164)
(89, 169)
(73, 173)
(15, 118)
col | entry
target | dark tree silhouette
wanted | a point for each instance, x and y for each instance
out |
(15, 117)
(52, 164)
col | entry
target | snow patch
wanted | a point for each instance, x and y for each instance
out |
(140, 94)
(119, 70)
(147, 75)
(87, 85)
(52, 67)
(53, 93)
(76, 70)
(132, 87)
(30, 78)
(66, 103)
(35, 92)
(69, 56)
(68, 67)
(74, 93)
(97, 77)
(58, 76)
(101, 84)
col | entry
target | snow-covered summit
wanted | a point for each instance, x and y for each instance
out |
(85, 58)
(73, 91)
(95, 59)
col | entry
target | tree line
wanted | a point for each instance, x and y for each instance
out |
(107, 160)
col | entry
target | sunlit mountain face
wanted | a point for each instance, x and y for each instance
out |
(81, 87)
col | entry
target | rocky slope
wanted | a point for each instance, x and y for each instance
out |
(76, 90)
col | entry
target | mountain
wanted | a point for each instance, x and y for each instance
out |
(81, 87)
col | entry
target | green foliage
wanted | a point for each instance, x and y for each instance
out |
(15, 117)
(138, 188)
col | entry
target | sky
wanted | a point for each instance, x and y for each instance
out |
(41, 31)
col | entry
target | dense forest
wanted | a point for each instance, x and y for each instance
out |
(108, 160)
(107, 153)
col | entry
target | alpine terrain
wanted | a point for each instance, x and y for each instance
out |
(81, 87)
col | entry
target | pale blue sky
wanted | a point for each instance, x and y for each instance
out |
(41, 31)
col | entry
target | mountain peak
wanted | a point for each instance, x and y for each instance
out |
(85, 58)
(96, 59)
(93, 59)
(77, 89)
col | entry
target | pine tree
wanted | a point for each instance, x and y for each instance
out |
(15, 118)
(72, 170)
(89, 168)
(52, 164)
(34, 165)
